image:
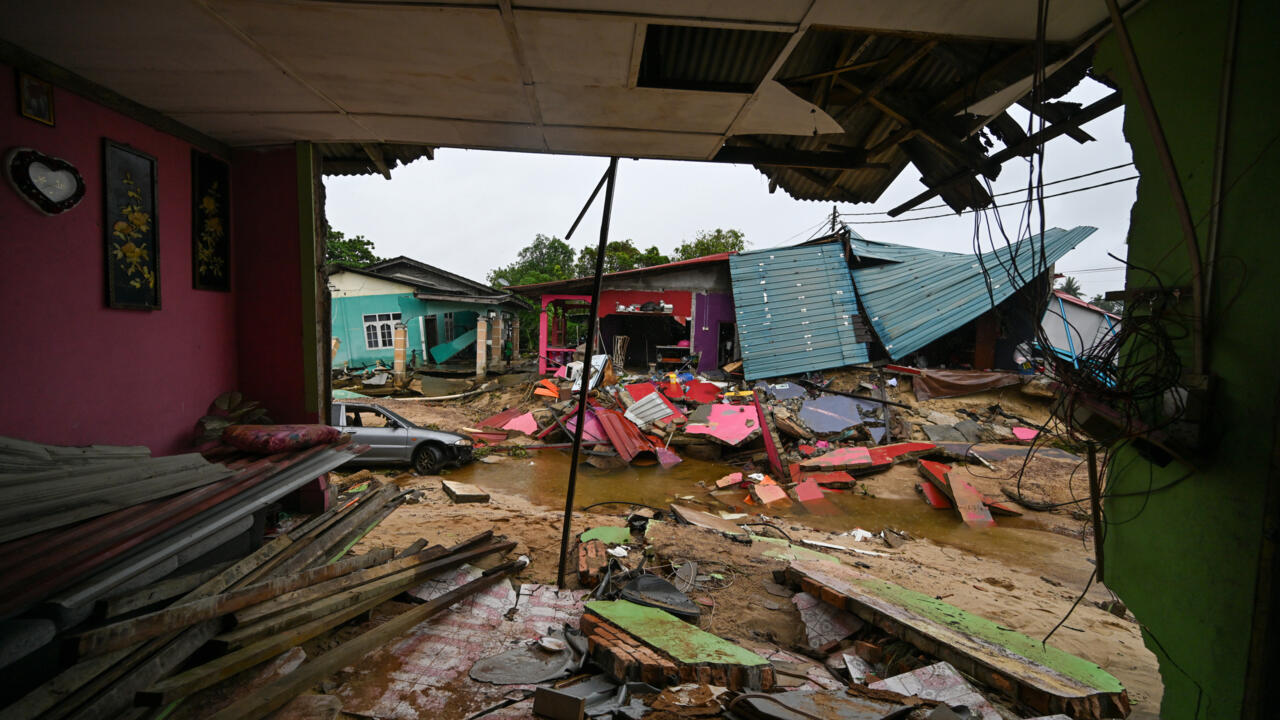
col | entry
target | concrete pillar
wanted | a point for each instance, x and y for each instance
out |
(482, 346)
(400, 345)
(495, 354)
(515, 337)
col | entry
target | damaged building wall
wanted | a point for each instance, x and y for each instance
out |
(1194, 560)
(88, 373)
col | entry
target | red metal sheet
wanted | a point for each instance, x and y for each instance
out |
(702, 392)
(934, 496)
(502, 418)
(623, 434)
(970, 505)
(936, 474)
(845, 458)
(767, 432)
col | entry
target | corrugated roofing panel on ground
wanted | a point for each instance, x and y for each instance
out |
(795, 309)
(929, 293)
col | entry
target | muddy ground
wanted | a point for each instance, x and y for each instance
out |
(1025, 574)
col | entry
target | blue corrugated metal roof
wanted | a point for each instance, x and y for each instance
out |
(921, 295)
(795, 308)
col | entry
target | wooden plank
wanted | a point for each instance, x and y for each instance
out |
(311, 605)
(154, 593)
(280, 692)
(706, 520)
(180, 615)
(1041, 676)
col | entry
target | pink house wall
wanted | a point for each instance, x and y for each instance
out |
(79, 372)
(264, 189)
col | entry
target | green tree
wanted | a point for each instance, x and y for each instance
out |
(618, 255)
(350, 251)
(1112, 306)
(544, 260)
(710, 243)
(1070, 286)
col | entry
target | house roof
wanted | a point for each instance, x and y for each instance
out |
(796, 310)
(536, 289)
(921, 295)
(1067, 297)
(830, 99)
(470, 290)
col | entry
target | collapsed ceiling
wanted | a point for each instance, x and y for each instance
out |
(829, 99)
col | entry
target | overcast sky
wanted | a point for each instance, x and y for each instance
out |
(469, 211)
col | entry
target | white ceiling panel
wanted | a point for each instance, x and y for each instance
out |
(268, 128)
(454, 133)
(557, 52)
(630, 143)
(639, 108)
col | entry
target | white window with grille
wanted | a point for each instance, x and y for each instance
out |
(379, 330)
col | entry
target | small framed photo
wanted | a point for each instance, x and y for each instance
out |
(35, 98)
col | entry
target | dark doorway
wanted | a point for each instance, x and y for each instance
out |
(430, 336)
(728, 343)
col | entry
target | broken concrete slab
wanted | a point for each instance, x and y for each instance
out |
(944, 433)
(464, 492)
(971, 431)
(1040, 676)
(943, 683)
(706, 520)
(824, 625)
(815, 703)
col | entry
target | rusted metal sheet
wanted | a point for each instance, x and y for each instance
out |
(1040, 676)
(625, 437)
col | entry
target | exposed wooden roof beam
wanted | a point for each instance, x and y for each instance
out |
(1092, 112)
(375, 155)
(526, 75)
(902, 59)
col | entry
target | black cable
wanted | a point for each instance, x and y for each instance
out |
(1022, 202)
(1002, 194)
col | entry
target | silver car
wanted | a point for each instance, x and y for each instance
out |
(393, 440)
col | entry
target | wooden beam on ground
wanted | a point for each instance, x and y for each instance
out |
(149, 595)
(184, 614)
(285, 689)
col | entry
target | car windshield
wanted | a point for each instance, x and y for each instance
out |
(366, 410)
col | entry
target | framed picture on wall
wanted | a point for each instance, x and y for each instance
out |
(131, 227)
(211, 223)
(35, 98)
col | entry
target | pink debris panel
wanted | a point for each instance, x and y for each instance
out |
(525, 424)
(730, 479)
(970, 504)
(592, 431)
(843, 458)
(731, 424)
(808, 491)
(769, 494)
(1025, 434)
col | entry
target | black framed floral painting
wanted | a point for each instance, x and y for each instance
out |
(211, 223)
(132, 238)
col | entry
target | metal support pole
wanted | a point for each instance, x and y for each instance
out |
(610, 176)
(1095, 507)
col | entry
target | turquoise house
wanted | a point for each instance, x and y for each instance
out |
(438, 308)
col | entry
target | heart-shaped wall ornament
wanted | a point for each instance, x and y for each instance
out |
(51, 184)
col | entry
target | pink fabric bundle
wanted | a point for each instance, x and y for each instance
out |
(268, 439)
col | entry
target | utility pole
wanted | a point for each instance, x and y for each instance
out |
(833, 219)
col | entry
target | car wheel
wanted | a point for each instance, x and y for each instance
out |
(427, 460)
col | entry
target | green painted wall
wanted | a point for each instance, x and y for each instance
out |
(1186, 559)
(348, 324)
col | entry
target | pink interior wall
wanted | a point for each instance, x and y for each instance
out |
(264, 189)
(78, 372)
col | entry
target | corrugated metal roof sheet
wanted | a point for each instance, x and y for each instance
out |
(924, 294)
(795, 309)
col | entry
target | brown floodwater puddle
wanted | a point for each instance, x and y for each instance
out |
(543, 477)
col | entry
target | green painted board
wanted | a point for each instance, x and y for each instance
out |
(976, 645)
(787, 551)
(347, 395)
(673, 636)
(444, 351)
(608, 534)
